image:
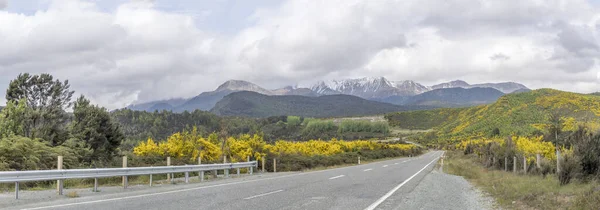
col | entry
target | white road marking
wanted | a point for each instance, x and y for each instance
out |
(391, 192)
(385, 166)
(269, 193)
(368, 169)
(335, 177)
(395, 163)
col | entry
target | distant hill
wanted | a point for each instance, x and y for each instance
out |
(397, 100)
(253, 104)
(596, 93)
(205, 101)
(519, 113)
(505, 87)
(522, 90)
(157, 105)
(455, 97)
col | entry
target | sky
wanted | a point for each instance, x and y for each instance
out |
(118, 52)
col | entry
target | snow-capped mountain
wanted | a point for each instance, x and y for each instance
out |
(369, 87)
(452, 84)
(323, 89)
(240, 85)
(505, 87)
(411, 87)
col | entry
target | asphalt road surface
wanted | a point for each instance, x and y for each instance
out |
(379, 185)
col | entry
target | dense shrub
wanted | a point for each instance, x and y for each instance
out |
(363, 126)
(569, 169)
(587, 150)
(21, 153)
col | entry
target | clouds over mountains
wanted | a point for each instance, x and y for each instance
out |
(140, 51)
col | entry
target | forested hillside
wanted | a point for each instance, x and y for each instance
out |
(529, 113)
(455, 97)
(253, 104)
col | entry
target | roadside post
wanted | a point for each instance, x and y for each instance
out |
(200, 173)
(125, 177)
(59, 183)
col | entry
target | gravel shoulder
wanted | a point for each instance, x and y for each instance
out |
(438, 190)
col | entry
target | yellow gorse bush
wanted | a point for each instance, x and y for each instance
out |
(526, 146)
(190, 145)
(530, 147)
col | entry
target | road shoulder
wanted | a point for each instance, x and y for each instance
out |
(438, 190)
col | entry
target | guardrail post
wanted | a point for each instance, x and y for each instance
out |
(95, 184)
(505, 163)
(200, 173)
(59, 183)
(238, 172)
(249, 168)
(187, 176)
(358, 160)
(226, 171)
(125, 177)
(252, 168)
(150, 179)
(169, 174)
(17, 190)
(274, 165)
(263, 163)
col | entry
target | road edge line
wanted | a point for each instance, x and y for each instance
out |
(391, 192)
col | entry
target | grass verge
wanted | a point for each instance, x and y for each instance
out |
(515, 191)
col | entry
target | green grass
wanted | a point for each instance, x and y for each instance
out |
(514, 191)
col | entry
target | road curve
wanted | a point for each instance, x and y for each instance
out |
(365, 186)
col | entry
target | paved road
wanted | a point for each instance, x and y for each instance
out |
(367, 186)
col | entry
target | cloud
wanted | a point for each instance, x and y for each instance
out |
(499, 57)
(140, 52)
(3, 4)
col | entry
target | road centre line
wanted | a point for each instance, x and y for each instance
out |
(335, 177)
(260, 195)
(368, 169)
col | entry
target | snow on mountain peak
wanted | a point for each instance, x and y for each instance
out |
(371, 87)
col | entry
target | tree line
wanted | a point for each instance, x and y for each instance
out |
(35, 126)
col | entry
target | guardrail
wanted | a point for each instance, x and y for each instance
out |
(62, 174)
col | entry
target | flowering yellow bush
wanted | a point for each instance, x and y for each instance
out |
(478, 142)
(190, 145)
(530, 147)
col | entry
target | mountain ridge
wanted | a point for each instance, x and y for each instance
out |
(252, 104)
(371, 88)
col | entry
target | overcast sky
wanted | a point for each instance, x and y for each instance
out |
(118, 52)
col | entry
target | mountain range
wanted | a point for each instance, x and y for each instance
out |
(371, 88)
(253, 104)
